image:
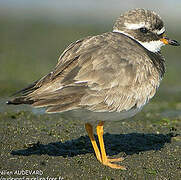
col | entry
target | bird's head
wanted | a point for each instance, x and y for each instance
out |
(144, 26)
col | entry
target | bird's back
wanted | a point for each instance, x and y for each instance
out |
(109, 72)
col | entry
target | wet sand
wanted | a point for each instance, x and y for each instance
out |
(52, 146)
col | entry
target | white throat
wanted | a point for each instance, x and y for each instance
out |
(153, 46)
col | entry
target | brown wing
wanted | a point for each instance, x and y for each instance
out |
(51, 82)
(96, 73)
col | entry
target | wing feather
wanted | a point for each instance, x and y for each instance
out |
(96, 73)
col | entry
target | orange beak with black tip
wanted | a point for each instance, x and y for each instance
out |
(166, 40)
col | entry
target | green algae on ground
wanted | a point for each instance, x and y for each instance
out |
(60, 147)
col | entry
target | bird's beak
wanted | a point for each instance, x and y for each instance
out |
(166, 40)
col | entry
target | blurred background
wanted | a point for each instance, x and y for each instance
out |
(34, 33)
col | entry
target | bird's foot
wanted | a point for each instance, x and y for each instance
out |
(110, 162)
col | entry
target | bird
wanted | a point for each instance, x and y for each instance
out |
(106, 77)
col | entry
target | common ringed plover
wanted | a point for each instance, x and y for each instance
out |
(107, 77)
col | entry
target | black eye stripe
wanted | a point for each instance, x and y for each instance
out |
(144, 30)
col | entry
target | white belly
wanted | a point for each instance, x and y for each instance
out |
(89, 116)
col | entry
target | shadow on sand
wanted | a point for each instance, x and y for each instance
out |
(115, 143)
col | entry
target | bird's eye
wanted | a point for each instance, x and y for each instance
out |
(144, 30)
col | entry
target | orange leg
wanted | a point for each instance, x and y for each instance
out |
(105, 160)
(101, 155)
(89, 130)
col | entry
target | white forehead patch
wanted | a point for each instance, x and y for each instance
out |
(153, 46)
(134, 26)
(161, 31)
